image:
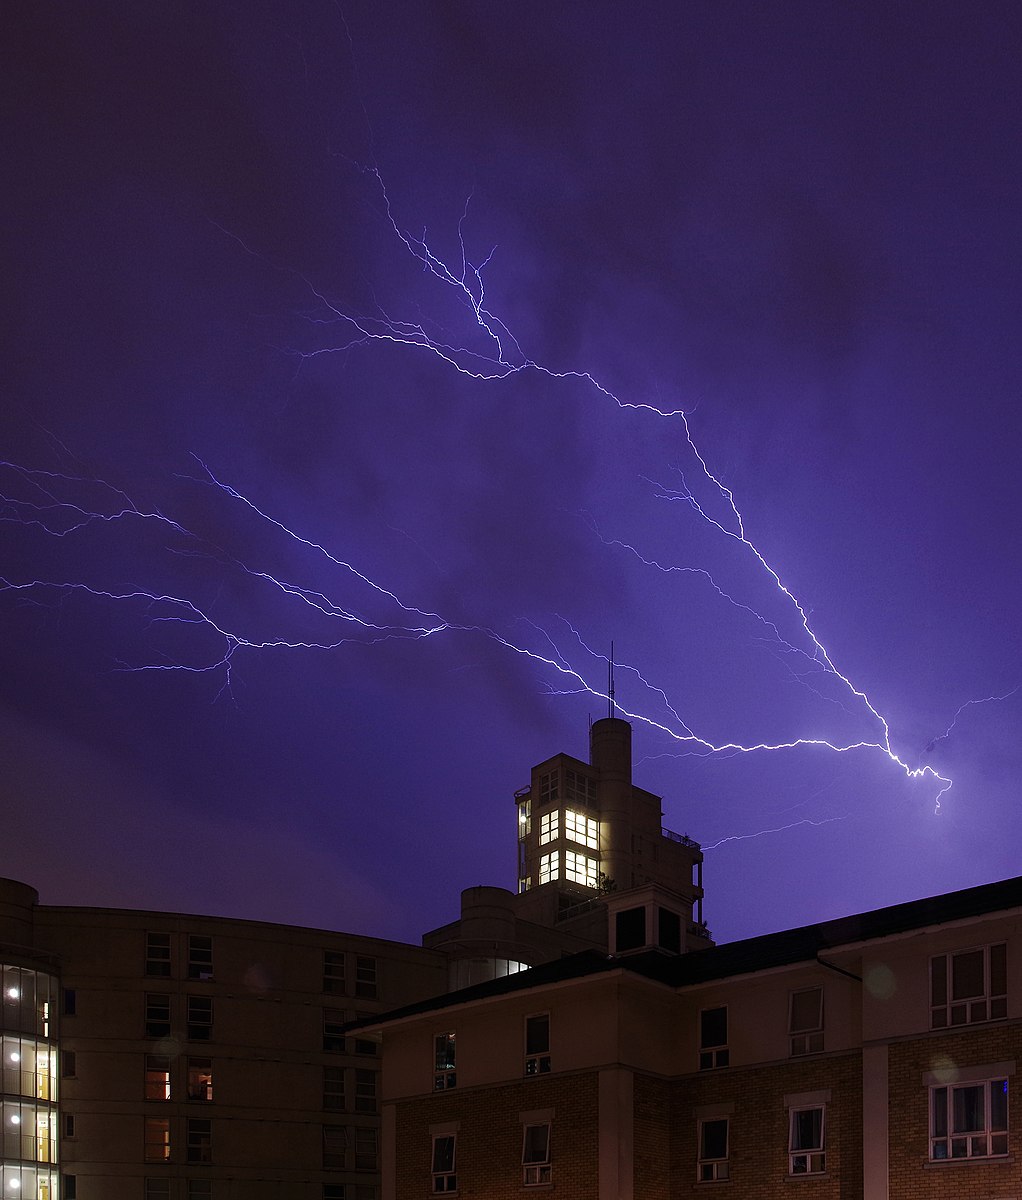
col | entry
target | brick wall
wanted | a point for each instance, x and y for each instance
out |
(912, 1176)
(490, 1138)
(759, 1130)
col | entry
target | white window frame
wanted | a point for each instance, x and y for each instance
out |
(807, 1160)
(948, 1144)
(580, 868)
(549, 867)
(445, 1176)
(807, 1039)
(536, 1171)
(549, 826)
(538, 1060)
(581, 828)
(710, 1169)
(948, 1010)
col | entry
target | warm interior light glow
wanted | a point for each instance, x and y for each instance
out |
(15, 1056)
(15, 1119)
(13, 993)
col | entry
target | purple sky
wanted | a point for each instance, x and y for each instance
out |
(797, 223)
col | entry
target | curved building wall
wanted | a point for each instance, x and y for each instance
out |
(28, 1082)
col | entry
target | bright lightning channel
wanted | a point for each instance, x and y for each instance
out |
(498, 357)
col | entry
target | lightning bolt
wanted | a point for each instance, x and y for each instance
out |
(367, 610)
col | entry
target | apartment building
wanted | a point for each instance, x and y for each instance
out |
(873, 1056)
(163, 1056)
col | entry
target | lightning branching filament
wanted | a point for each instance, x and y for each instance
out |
(328, 601)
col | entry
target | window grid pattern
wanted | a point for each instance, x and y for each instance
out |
(548, 787)
(713, 1047)
(157, 1139)
(333, 1089)
(549, 827)
(157, 1015)
(333, 972)
(157, 954)
(157, 1077)
(579, 789)
(968, 986)
(549, 868)
(969, 1120)
(366, 1157)
(524, 818)
(365, 1091)
(199, 1143)
(580, 868)
(200, 956)
(537, 1044)
(365, 977)
(200, 1018)
(333, 1025)
(582, 829)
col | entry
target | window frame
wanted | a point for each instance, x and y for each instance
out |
(994, 1132)
(581, 868)
(196, 1090)
(948, 1011)
(445, 1065)
(807, 1040)
(549, 867)
(816, 1152)
(333, 1089)
(157, 964)
(536, 1171)
(200, 957)
(199, 1018)
(334, 973)
(157, 1014)
(156, 1139)
(537, 1058)
(711, 1168)
(581, 828)
(713, 1055)
(157, 1078)
(444, 1170)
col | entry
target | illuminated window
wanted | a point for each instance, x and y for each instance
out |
(199, 1146)
(333, 972)
(713, 1150)
(444, 1177)
(713, 1050)
(157, 1139)
(536, 1154)
(333, 1026)
(548, 787)
(157, 1077)
(579, 868)
(524, 883)
(548, 868)
(969, 1120)
(524, 818)
(806, 1155)
(365, 977)
(805, 1021)
(157, 1015)
(549, 826)
(200, 1018)
(537, 1044)
(968, 986)
(200, 1079)
(157, 954)
(365, 1148)
(582, 829)
(579, 789)
(445, 1061)
(200, 957)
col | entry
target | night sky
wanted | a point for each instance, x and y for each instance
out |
(798, 224)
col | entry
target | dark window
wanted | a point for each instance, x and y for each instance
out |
(806, 1154)
(365, 1091)
(157, 954)
(70, 1187)
(631, 929)
(68, 1064)
(333, 1026)
(199, 1189)
(70, 1002)
(536, 1154)
(333, 1191)
(713, 1050)
(365, 977)
(670, 931)
(157, 1015)
(200, 1018)
(333, 1089)
(444, 1177)
(969, 986)
(444, 1061)
(200, 1141)
(333, 972)
(335, 1143)
(365, 1148)
(157, 1189)
(805, 1021)
(365, 1046)
(969, 1120)
(537, 1044)
(200, 956)
(713, 1150)
(69, 1125)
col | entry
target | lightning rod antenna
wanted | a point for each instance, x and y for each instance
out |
(610, 682)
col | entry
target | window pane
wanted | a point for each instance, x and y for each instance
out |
(537, 1144)
(940, 1112)
(967, 975)
(714, 1139)
(967, 1109)
(998, 971)
(445, 1052)
(713, 1027)
(537, 1034)
(807, 1010)
(443, 1155)
(938, 980)
(807, 1129)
